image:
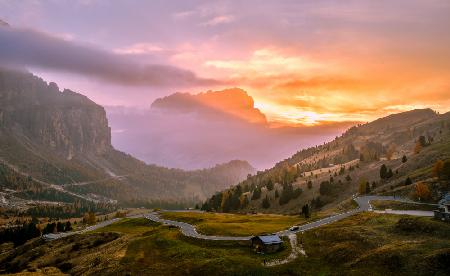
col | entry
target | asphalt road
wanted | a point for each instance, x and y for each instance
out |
(363, 203)
(407, 212)
(54, 236)
(190, 230)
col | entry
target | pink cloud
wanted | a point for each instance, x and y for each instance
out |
(221, 19)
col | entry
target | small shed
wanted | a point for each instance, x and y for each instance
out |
(443, 211)
(267, 243)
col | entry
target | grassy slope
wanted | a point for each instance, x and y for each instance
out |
(137, 247)
(418, 168)
(235, 225)
(401, 130)
(374, 244)
(167, 252)
(43, 164)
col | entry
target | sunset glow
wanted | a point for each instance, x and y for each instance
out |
(303, 63)
(224, 137)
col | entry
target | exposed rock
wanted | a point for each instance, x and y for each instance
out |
(233, 102)
(65, 121)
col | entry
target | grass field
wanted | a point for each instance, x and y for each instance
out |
(166, 251)
(396, 205)
(235, 224)
(133, 226)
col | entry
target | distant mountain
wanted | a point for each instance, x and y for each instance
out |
(62, 142)
(235, 102)
(408, 144)
(194, 131)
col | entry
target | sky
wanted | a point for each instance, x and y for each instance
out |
(303, 62)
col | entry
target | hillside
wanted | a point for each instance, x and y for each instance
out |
(61, 143)
(325, 176)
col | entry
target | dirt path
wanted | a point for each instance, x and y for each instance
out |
(296, 249)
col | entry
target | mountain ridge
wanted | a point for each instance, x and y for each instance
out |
(408, 144)
(63, 138)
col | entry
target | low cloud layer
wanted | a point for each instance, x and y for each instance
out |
(192, 132)
(22, 47)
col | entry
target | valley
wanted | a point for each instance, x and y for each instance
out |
(283, 138)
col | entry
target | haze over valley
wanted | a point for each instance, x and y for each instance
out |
(197, 131)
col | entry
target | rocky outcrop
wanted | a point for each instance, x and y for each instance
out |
(66, 122)
(233, 102)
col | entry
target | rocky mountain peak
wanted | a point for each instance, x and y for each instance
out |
(66, 121)
(232, 102)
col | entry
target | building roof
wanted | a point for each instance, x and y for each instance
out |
(445, 200)
(269, 239)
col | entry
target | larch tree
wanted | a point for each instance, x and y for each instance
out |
(422, 191)
(438, 168)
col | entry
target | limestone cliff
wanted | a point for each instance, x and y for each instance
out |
(66, 122)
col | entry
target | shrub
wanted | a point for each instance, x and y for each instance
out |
(256, 193)
(76, 247)
(348, 178)
(404, 159)
(269, 185)
(383, 171)
(66, 266)
(408, 181)
(266, 203)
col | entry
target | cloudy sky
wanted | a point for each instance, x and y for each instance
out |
(304, 62)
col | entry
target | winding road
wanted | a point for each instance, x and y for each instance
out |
(189, 230)
(55, 236)
(363, 203)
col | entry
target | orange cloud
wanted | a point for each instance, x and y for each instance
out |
(301, 89)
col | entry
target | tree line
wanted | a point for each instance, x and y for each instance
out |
(76, 209)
